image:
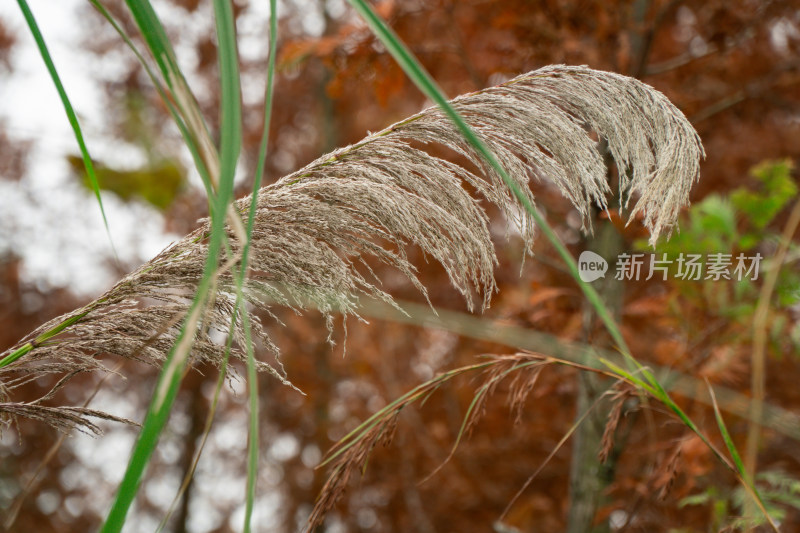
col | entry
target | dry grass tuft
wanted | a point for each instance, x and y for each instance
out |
(525, 369)
(352, 452)
(619, 397)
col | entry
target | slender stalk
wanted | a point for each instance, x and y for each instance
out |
(27, 347)
(758, 372)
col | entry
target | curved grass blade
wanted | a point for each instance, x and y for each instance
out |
(73, 119)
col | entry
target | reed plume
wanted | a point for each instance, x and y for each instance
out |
(317, 229)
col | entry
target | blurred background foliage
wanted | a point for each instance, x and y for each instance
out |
(733, 67)
(157, 184)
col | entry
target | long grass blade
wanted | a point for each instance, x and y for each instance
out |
(230, 146)
(744, 477)
(252, 377)
(428, 86)
(71, 116)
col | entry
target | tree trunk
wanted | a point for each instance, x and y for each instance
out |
(588, 477)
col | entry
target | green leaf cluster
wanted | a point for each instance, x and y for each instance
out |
(742, 221)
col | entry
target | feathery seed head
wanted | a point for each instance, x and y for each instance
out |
(316, 228)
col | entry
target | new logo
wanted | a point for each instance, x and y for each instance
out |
(591, 266)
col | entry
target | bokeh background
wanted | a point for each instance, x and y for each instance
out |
(733, 67)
